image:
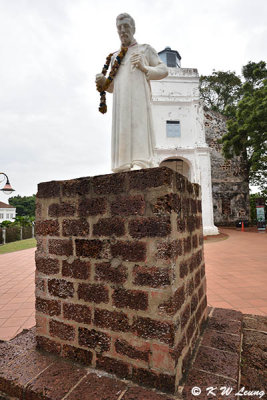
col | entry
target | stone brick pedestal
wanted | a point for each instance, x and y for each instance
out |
(120, 276)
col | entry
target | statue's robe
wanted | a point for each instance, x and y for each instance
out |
(133, 140)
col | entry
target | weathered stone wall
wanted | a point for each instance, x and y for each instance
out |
(120, 275)
(230, 190)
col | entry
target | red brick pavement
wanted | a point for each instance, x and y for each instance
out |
(236, 270)
(16, 292)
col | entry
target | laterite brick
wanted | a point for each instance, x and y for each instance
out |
(109, 184)
(46, 265)
(48, 345)
(171, 250)
(77, 355)
(185, 315)
(149, 227)
(92, 206)
(200, 292)
(129, 251)
(75, 227)
(197, 278)
(126, 349)
(171, 306)
(60, 288)
(99, 341)
(150, 178)
(61, 210)
(109, 226)
(180, 183)
(151, 276)
(187, 244)
(194, 303)
(76, 187)
(49, 227)
(105, 272)
(113, 320)
(89, 248)
(190, 287)
(148, 328)
(185, 206)
(190, 330)
(133, 299)
(191, 223)
(193, 206)
(166, 204)
(93, 293)
(112, 366)
(77, 312)
(177, 352)
(162, 382)
(49, 307)
(194, 242)
(61, 330)
(180, 225)
(60, 247)
(40, 285)
(48, 189)
(76, 269)
(183, 269)
(128, 205)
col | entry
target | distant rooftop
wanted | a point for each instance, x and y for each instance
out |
(4, 205)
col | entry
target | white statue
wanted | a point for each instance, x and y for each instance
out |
(132, 127)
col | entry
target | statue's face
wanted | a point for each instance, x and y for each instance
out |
(125, 31)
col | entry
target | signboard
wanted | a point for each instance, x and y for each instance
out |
(261, 223)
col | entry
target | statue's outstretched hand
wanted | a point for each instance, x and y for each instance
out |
(100, 80)
(137, 61)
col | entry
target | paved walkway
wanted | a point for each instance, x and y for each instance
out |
(17, 299)
(236, 270)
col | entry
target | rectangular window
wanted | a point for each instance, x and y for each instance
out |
(7, 216)
(173, 128)
(1, 216)
(11, 216)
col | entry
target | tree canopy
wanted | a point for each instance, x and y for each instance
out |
(245, 104)
(219, 90)
(247, 127)
(25, 205)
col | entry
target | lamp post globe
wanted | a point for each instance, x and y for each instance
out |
(7, 189)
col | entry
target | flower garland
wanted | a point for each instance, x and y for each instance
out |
(116, 65)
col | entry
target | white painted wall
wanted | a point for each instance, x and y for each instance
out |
(176, 97)
(7, 214)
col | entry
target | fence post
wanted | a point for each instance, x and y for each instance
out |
(21, 233)
(32, 229)
(4, 235)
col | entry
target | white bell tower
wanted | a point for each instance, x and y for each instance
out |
(179, 129)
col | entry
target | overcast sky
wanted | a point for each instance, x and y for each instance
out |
(50, 127)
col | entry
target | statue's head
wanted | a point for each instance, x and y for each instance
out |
(126, 28)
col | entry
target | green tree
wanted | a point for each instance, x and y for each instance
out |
(247, 127)
(23, 220)
(25, 205)
(5, 224)
(220, 90)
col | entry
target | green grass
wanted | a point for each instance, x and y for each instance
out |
(16, 246)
